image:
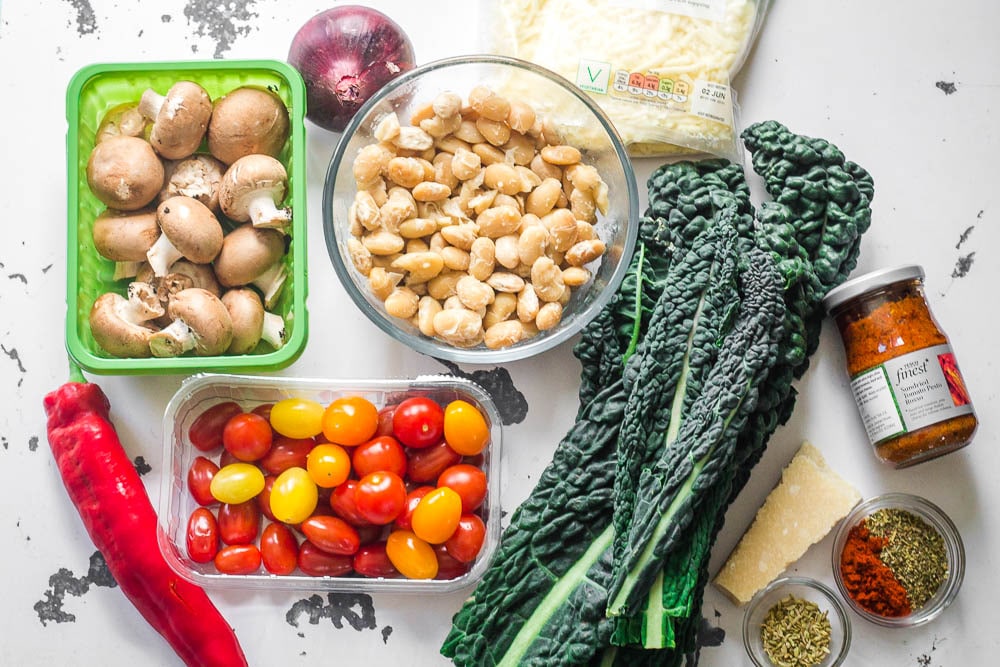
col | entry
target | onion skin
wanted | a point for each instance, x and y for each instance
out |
(345, 54)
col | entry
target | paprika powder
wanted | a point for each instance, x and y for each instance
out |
(868, 580)
(913, 401)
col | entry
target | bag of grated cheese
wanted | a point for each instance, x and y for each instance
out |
(660, 69)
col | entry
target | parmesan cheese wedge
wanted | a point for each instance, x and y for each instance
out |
(805, 505)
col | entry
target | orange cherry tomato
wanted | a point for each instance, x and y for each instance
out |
(414, 558)
(350, 421)
(437, 515)
(465, 428)
(329, 465)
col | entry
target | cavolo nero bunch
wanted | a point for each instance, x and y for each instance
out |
(686, 373)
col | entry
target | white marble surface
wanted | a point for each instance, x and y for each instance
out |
(861, 74)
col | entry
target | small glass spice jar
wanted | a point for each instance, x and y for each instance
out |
(913, 401)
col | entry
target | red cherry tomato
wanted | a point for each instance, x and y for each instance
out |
(279, 550)
(350, 420)
(317, 563)
(343, 505)
(263, 498)
(467, 540)
(247, 436)
(329, 465)
(418, 422)
(199, 480)
(448, 566)
(425, 465)
(370, 533)
(264, 410)
(202, 536)
(385, 420)
(413, 557)
(379, 453)
(205, 432)
(239, 523)
(465, 428)
(286, 453)
(331, 534)
(226, 458)
(372, 561)
(380, 497)
(468, 481)
(405, 520)
(437, 515)
(238, 559)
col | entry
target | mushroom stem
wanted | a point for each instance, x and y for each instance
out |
(265, 213)
(161, 255)
(270, 283)
(172, 340)
(150, 103)
(273, 331)
(142, 304)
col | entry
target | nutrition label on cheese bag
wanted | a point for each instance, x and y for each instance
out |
(909, 392)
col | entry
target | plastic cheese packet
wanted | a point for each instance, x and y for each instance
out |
(660, 69)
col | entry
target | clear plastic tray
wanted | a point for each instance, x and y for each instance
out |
(200, 392)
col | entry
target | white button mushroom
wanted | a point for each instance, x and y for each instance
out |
(180, 118)
(200, 323)
(124, 173)
(251, 323)
(252, 256)
(189, 229)
(118, 324)
(252, 189)
(247, 121)
(125, 236)
(197, 177)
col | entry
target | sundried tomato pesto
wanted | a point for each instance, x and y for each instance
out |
(906, 382)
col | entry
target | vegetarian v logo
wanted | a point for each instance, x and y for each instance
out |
(592, 75)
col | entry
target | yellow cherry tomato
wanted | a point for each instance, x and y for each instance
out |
(436, 516)
(350, 421)
(329, 465)
(414, 558)
(297, 417)
(237, 483)
(294, 496)
(465, 428)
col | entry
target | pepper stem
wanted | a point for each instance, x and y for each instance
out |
(75, 374)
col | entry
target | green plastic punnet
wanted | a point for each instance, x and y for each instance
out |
(92, 92)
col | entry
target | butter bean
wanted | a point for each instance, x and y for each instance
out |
(503, 334)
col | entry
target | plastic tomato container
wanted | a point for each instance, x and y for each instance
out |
(92, 93)
(202, 391)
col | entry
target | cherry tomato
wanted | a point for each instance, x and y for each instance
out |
(297, 417)
(237, 483)
(317, 563)
(202, 536)
(467, 540)
(468, 481)
(329, 465)
(465, 428)
(293, 496)
(343, 505)
(239, 523)
(264, 410)
(279, 550)
(205, 432)
(226, 458)
(425, 465)
(238, 559)
(264, 497)
(380, 453)
(370, 533)
(372, 561)
(414, 558)
(385, 420)
(199, 480)
(285, 453)
(448, 566)
(247, 436)
(350, 420)
(405, 520)
(331, 534)
(437, 514)
(380, 497)
(418, 422)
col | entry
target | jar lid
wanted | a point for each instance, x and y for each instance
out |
(870, 281)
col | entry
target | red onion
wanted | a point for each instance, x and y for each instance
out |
(345, 54)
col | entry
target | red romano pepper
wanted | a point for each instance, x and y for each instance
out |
(104, 486)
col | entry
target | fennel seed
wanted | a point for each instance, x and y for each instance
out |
(796, 633)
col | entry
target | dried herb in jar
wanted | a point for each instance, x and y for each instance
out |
(796, 633)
